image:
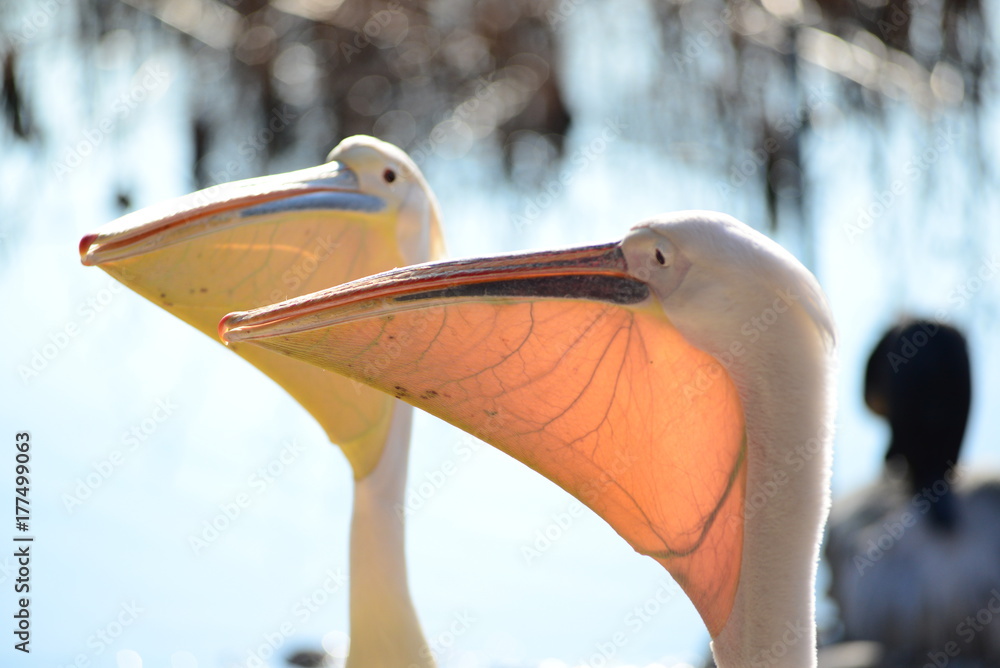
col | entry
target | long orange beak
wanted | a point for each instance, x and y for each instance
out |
(567, 363)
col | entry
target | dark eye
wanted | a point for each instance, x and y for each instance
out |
(659, 257)
(389, 176)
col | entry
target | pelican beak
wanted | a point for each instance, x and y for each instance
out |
(254, 242)
(565, 361)
(329, 187)
(595, 272)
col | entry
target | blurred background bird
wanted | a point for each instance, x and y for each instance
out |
(913, 553)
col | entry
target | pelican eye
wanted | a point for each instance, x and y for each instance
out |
(659, 257)
(389, 175)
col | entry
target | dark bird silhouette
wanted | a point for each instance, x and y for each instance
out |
(915, 557)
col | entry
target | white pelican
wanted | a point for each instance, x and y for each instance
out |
(677, 382)
(915, 557)
(253, 242)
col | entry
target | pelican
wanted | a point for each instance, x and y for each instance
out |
(678, 382)
(253, 242)
(913, 557)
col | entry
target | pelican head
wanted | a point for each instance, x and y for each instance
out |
(677, 382)
(248, 243)
(715, 277)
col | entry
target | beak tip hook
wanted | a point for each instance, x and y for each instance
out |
(226, 327)
(85, 244)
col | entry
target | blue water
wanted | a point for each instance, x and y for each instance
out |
(174, 429)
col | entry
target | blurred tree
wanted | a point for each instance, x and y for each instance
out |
(439, 77)
(932, 56)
